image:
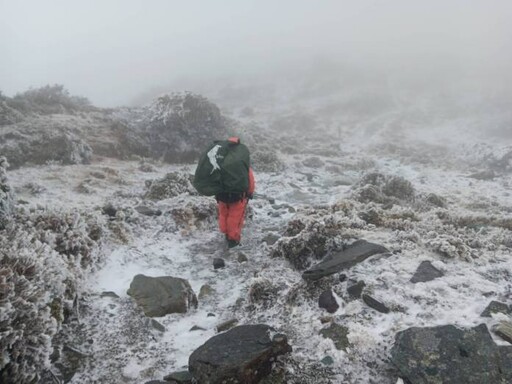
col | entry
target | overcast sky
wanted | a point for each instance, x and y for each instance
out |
(112, 50)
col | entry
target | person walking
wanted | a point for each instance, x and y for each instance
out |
(224, 171)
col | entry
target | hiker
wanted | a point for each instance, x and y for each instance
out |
(224, 171)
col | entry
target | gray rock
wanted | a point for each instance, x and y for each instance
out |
(483, 175)
(182, 377)
(504, 330)
(159, 296)
(375, 304)
(328, 302)
(155, 325)
(242, 257)
(218, 263)
(147, 211)
(327, 360)
(356, 290)
(426, 272)
(450, 355)
(496, 307)
(109, 294)
(242, 355)
(338, 334)
(271, 238)
(205, 291)
(354, 254)
(197, 328)
(226, 325)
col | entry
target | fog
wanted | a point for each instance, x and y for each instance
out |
(115, 51)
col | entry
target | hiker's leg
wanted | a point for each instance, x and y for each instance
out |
(236, 219)
(223, 211)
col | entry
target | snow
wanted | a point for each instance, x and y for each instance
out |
(126, 349)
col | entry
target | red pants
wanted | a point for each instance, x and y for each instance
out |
(231, 218)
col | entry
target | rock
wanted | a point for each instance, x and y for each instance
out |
(242, 355)
(271, 238)
(496, 307)
(196, 328)
(109, 294)
(326, 319)
(147, 211)
(436, 200)
(426, 272)
(205, 291)
(375, 304)
(159, 296)
(354, 254)
(155, 325)
(242, 257)
(182, 377)
(218, 263)
(226, 325)
(313, 162)
(328, 302)
(156, 382)
(338, 334)
(109, 210)
(342, 277)
(504, 330)
(327, 360)
(483, 175)
(356, 290)
(449, 355)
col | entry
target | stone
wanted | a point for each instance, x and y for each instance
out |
(449, 355)
(338, 334)
(155, 325)
(375, 304)
(242, 257)
(328, 302)
(226, 325)
(504, 330)
(354, 254)
(156, 382)
(181, 377)
(426, 272)
(496, 307)
(483, 175)
(109, 294)
(109, 210)
(342, 277)
(147, 211)
(244, 354)
(159, 296)
(205, 291)
(218, 263)
(355, 291)
(327, 360)
(271, 238)
(196, 328)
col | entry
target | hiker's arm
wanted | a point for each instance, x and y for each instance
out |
(252, 184)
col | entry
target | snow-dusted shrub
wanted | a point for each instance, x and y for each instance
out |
(172, 185)
(6, 201)
(379, 188)
(44, 257)
(180, 125)
(266, 161)
(313, 242)
(195, 213)
(263, 292)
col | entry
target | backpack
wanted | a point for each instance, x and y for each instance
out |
(223, 168)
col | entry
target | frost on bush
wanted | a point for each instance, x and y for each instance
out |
(451, 247)
(266, 161)
(195, 213)
(6, 200)
(172, 185)
(180, 125)
(379, 188)
(43, 260)
(313, 242)
(263, 292)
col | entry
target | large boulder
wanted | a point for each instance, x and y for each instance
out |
(338, 261)
(159, 296)
(449, 355)
(242, 355)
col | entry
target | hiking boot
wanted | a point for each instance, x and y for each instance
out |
(233, 243)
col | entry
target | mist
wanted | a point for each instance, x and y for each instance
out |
(116, 52)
